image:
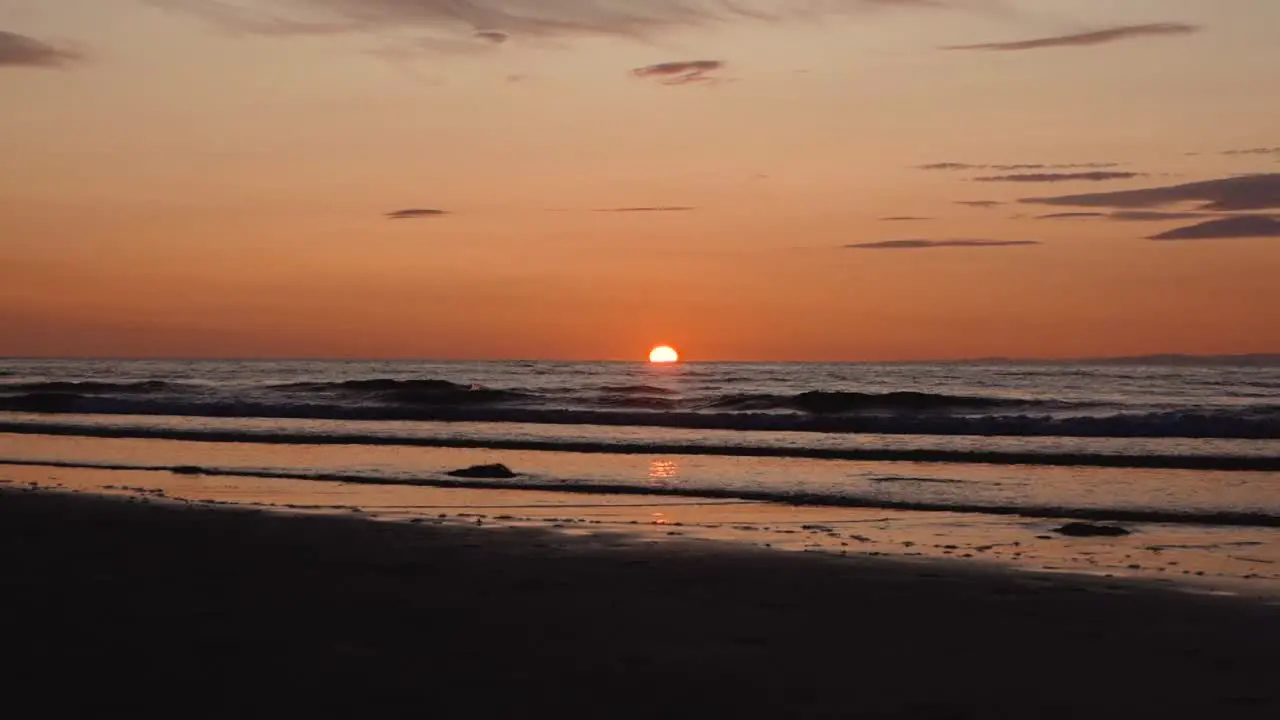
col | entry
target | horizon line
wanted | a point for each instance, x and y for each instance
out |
(1273, 356)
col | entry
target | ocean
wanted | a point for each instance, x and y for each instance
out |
(1179, 445)
(1218, 418)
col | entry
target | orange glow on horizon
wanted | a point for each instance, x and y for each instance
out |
(663, 354)
(172, 222)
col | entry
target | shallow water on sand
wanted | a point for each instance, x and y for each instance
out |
(1208, 497)
(1192, 555)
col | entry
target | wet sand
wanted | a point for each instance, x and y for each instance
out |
(1199, 558)
(156, 609)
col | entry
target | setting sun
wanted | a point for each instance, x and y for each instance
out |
(663, 354)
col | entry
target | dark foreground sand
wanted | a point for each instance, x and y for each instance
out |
(111, 607)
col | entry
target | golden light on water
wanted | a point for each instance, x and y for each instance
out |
(663, 354)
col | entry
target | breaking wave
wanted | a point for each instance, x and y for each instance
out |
(353, 436)
(141, 387)
(503, 406)
(644, 404)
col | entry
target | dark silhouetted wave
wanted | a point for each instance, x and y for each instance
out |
(777, 399)
(376, 385)
(821, 402)
(496, 406)
(43, 402)
(440, 479)
(636, 402)
(412, 392)
(637, 390)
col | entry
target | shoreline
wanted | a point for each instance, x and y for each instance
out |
(1191, 557)
(144, 605)
(1243, 519)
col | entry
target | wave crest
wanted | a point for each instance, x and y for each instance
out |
(490, 406)
(429, 392)
(354, 436)
(141, 387)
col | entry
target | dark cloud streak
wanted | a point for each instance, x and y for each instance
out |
(1253, 151)
(1096, 176)
(1085, 39)
(1232, 194)
(1125, 216)
(654, 209)
(682, 72)
(919, 244)
(1241, 226)
(958, 166)
(23, 51)
(1151, 216)
(1071, 215)
(416, 214)
(951, 166)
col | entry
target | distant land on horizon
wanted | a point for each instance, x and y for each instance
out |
(1248, 359)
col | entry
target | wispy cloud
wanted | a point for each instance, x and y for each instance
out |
(1232, 194)
(416, 214)
(1070, 215)
(1094, 176)
(1240, 226)
(1253, 151)
(1084, 39)
(531, 18)
(1151, 216)
(917, 244)
(951, 166)
(23, 51)
(496, 37)
(654, 209)
(959, 166)
(682, 72)
(1124, 216)
(273, 17)
(983, 204)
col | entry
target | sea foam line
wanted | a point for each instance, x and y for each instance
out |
(929, 455)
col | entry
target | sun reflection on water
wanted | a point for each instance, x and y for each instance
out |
(663, 470)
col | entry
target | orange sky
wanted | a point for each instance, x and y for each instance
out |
(184, 181)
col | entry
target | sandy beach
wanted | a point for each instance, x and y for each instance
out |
(121, 606)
